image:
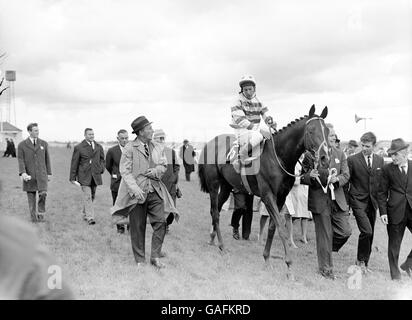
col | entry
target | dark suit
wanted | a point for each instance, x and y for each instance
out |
(395, 200)
(87, 167)
(112, 165)
(35, 161)
(330, 216)
(363, 199)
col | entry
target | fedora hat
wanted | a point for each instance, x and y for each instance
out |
(397, 145)
(353, 143)
(139, 123)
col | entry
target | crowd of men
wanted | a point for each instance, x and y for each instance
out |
(144, 177)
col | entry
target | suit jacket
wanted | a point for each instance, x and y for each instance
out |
(112, 165)
(35, 161)
(395, 192)
(364, 183)
(317, 199)
(87, 164)
(171, 175)
(133, 166)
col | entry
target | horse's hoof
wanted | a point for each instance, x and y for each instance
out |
(222, 248)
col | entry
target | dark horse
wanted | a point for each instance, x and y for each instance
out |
(275, 177)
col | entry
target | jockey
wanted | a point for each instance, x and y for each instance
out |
(246, 114)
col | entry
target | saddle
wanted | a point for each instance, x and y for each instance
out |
(247, 166)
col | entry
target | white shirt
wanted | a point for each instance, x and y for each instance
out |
(405, 166)
(371, 159)
(32, 140)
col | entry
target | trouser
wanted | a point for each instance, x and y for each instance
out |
(395, 236)
(243, 209)
(31, 197)
(153, 208)
(187, 175)
(248, 139)
(89, 194)
(365, 219)
(332, 231)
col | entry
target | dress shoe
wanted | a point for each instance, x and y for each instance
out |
(156, 263)
(236, 233)
(40, 217)
(91, 221)
(162, 254)
(407, 269)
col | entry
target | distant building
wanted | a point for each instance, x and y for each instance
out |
(7, 130)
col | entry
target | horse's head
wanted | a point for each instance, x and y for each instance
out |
(316, 137)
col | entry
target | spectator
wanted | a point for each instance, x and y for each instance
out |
(395, 204)
(187, 154)
(35, 171)
(112, 166)
(86, 171)
(171, 177)
(142, 193)
(351, 148)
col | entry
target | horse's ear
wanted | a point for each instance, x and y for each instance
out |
(312, 111)
(324, 112)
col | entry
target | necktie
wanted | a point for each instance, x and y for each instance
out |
(146, 150)
(403, 170)
(34, 142)
(369, 162)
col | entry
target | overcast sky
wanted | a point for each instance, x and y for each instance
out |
(103, 63)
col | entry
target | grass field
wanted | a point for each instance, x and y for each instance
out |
(98, 263)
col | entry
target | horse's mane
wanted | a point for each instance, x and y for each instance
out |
(290, 124)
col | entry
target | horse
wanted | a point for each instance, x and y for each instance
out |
(274, 179)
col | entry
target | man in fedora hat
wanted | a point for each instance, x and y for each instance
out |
(395, 204)
(142, 193)
(351, 148)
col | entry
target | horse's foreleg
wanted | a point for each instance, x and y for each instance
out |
(279, 222)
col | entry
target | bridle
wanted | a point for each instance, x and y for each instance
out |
(309, 142)
(324, 144)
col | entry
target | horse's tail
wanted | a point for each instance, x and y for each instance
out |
(202, 178)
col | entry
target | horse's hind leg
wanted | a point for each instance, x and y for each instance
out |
(224, 194)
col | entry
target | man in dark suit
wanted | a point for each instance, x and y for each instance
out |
(187, 154)
(171, 177)
(34, 170)
(7, 152)
(365, 169)
(329, 207)
(86, 169)
(395, 204)
(112, 165)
